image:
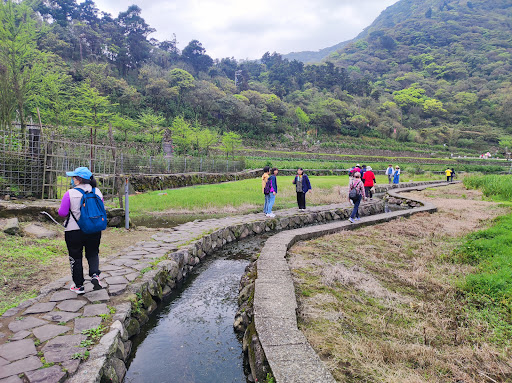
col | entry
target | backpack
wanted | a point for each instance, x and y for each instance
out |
(268, 186)
(353, 193)
(93, 217)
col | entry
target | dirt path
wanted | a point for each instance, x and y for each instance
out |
(379, 304)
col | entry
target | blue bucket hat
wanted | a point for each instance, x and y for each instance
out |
(81, 172)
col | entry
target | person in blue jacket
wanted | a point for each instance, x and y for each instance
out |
(302, 186)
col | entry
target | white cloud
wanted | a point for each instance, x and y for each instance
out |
(247, 29)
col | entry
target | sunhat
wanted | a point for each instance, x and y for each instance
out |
(81, 172)
(368, 168)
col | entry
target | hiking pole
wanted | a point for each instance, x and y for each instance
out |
(53, 219)
(126, 206)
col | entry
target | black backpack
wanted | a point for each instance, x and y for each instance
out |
(353, 193)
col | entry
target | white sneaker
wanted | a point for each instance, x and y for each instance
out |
(351, 220)
(268, 215)
(272, 215)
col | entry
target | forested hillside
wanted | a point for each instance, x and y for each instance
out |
(442, 68)
(426, 73)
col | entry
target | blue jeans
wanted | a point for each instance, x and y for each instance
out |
(355, 212)
(271, 200)
(265, 207)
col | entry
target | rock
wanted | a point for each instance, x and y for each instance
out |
(119, 368)
(10, 226)
(62, 348)
(26, 324)
(71, 366)
(39, 231)
(97, 296)
(52, 374)
(11, 379)
(132, 276)
(11, 312)
(116, 280)
(62, 296)
(82, 324)
(132, 327)
(72, 305)
(19, 336)
(39, 308)
(49, 331)
(115, 290)
(24, 365)
(95, 310)
(18, 350)
(60, 316)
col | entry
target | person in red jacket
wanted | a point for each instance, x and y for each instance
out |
(369, 181)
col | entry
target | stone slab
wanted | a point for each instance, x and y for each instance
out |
(120, 272)
(62, 296)
(116, 280)
(97, 296)
(24, 365)
(60, 316)
(11, 312)
(18, 350)
(154, 255)
(95, 310)
(141, 266)
(82, 324)
(297, 364)
(115, 290)
(20, 335)
(62, 348)
(52, 374)
(110, 267)
(26, 324)
(279, 331)
(11, 379)
(40, 308)
(71, 366)
(132, 276)
(49, 331)
(71, 305)
(3, 361)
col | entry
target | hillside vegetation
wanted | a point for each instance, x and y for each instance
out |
(430, 75)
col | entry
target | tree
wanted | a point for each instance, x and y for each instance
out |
(302, 117)
(124, 124)
(90, 109)
(152, 122)
(182, 135)
(195, 55)
(18, 54)
(231, 142)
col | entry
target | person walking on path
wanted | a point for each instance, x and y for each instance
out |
(273, 191)
(356, 194)
(82, 181)
(448, 174)
(363, 170)
(355, 169)
(453, 174)
(369, 181)
(302, 186)
(396, 175)
(264, 179)
(389, 173)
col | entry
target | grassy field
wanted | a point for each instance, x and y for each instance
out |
(397, 302)
(244, 194)
(497, 187)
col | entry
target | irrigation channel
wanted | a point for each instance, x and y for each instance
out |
(190, 338)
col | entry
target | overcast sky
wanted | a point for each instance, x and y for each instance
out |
(249, 28)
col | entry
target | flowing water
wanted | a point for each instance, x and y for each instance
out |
(190, 339)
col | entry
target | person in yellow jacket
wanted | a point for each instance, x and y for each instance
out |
(448, 174)
(264, 179)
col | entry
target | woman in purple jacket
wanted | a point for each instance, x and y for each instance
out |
(76, 239)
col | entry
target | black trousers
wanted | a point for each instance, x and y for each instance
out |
(368, 191)
(76, 241)
(301, 200)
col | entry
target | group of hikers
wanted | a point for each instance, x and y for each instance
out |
(361, 186)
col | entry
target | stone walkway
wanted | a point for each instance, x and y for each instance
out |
(45, 339)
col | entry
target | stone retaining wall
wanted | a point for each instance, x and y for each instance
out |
(273, 334)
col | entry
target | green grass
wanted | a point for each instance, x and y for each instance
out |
(21, 259)
(497, 187)
(235, 194)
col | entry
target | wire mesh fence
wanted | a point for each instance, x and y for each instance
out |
(35, 165)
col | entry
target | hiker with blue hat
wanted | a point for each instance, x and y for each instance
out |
(86, 218)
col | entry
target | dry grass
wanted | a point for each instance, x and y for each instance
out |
(379, 304)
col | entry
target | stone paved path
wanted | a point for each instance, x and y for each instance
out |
(49, 328)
